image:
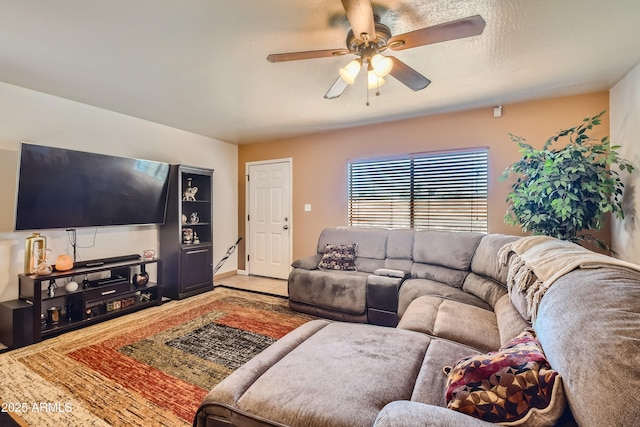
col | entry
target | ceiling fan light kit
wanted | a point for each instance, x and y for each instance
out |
(378, 67)
(351, 70)
(373, 81)
(367, 39)
(381, 65)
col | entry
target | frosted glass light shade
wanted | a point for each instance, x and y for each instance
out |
(350, 71)
(381, 65)
(373, 81)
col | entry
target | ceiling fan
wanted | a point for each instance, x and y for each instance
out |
(367, 39)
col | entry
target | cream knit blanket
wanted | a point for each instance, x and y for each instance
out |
(538, 261)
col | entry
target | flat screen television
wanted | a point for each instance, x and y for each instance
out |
(60, 188)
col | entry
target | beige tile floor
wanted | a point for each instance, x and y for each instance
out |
(256, 283)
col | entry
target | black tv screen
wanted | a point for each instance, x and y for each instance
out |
(60, 188)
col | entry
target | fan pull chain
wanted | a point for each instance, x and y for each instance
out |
(377, 92)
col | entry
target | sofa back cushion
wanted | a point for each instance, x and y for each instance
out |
(445, 248)
(372, 242)
(443, 256)
(485, 259)
(400, 250)
(510, 322)
(484, 288)
(400, 244)
(448, 276)
(371, 245)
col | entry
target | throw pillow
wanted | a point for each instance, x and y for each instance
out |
(339, 257)
(514, 386)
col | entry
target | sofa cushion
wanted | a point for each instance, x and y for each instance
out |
(335, 290)
(445, 275)
(400, 250)
(514, 385)
(368, 265)
(519, 301)
(339, 257)
(452, 320)
(222, 399)
(400, 244)
(445, 248)
(398, 264)
(342, 376)
(403, 413)
(430, 382)
(510, 322)
(414, 288)
(485, 259)
(372, 242)
(486, 289)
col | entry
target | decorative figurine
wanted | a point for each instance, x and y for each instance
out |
(42, 268)
(194, 218)
(187, 236)
(189, 193)
(51, 290)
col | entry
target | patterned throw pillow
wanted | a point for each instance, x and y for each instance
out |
(514, 386)
(339, 257)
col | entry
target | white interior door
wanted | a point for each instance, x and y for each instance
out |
(269, 218)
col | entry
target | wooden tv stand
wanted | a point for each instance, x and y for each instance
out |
(109, 292)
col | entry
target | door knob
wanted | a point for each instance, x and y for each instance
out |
(285, 227)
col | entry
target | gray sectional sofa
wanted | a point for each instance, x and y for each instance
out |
(447, 293)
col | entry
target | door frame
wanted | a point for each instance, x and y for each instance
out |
(247, 208)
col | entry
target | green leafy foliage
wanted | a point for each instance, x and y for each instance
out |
(560, 192)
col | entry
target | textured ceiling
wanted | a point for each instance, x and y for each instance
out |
(199, 65)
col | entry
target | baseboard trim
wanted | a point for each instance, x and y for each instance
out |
(242, 272)
(252, 291)
(225, 274)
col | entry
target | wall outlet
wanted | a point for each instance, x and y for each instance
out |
(307, 207)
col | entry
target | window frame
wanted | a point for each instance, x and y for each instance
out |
(393, 200)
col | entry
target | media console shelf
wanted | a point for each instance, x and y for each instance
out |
(105, 291)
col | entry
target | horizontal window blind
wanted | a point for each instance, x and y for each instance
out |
(444, 191)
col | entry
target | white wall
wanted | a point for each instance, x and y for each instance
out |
(27, 115)
(625, 131)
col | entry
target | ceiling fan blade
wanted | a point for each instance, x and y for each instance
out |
(360, 16)
(336, 90)
(310, 54)
(458, 29)
(407, 75)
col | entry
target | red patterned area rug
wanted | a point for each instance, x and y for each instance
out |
(150, 368)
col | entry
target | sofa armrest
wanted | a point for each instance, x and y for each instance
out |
(308, 263)
(382, 296)
(388, 272)
(403, 413)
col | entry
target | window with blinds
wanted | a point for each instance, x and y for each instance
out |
(443, 191)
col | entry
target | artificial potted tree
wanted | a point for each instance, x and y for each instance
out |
(565, 192)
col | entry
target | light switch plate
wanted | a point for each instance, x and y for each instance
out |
(307, 207)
